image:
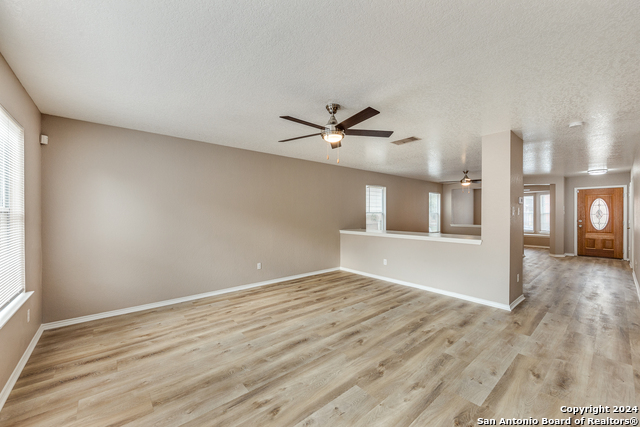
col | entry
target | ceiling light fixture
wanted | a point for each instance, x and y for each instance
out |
(331, 133)
(597, 171)
(466, 181)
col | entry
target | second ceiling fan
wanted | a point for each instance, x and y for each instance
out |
(465, 181)
(333, 132)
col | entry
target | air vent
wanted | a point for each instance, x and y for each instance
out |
(404, 141)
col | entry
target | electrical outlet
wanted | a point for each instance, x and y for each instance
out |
(259, 266)
(384, 262)
(28, 315)
(518, 277)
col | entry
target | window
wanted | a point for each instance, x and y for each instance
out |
(599, 214)
(528, 214)
(434, 212)
(545, 213)
(376, 208)
(12, 276)
(537, 213)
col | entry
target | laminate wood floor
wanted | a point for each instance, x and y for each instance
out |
(340, 349)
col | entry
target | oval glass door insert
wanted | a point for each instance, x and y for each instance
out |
(599, 214)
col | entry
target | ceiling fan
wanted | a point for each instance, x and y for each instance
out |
(465, 181)
(333, 132)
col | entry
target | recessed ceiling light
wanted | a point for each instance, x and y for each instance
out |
(597, 171)
(575, 124)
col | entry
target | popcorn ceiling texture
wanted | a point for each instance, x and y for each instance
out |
(444, 71)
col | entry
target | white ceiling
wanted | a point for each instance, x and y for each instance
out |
(445, 71)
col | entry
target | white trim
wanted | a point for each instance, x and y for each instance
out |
(557, 255)
(430, 289)
(11, 308)
(568, 254)
(466, 225)
(625, 220)
(104, 315)
(635, 280)
(534, 246)
(537, 235)
(515, 303)
(411, 235)
(4, 395)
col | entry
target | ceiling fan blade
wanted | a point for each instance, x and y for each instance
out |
(473, 181)
(362, 132)
(299, 137)
(363, 115)
(293, 119)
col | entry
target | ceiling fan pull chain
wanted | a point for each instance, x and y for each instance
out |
(327, 151)
(338, 154)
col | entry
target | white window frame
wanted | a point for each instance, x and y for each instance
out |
(534, 213)
(439, 213)
(12, 261)
(384, 207)
(537, 214)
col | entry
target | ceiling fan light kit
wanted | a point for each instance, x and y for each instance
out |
(333, 132)
(466, 181)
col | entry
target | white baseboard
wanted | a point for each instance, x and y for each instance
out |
(534, 246)
(635, 280)
(515, 303)
(557, 255)
(434, 290)
(4, 395)
(104, 315)
(569, 254)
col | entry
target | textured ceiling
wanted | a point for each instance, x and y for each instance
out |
(447, 72)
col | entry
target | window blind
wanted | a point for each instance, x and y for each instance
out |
(12, 270)
(376, 208)
(528, 213)
(375, 199)
(434, 212)
(545, 213)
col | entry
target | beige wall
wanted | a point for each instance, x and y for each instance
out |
(635, 213)
(477, 206)
(447, 214)
(571, 183)
(516, 239)
(132, 218)
(536, 240)
(17, 333)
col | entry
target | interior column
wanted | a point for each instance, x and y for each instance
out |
(502, 220)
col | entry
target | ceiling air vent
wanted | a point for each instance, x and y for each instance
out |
(404, 141)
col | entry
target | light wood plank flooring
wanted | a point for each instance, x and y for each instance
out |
(344, 350)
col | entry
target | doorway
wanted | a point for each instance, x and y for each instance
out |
(600, 217)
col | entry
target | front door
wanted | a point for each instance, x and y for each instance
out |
(601, 222)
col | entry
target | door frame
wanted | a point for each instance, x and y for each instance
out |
(625, 221)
